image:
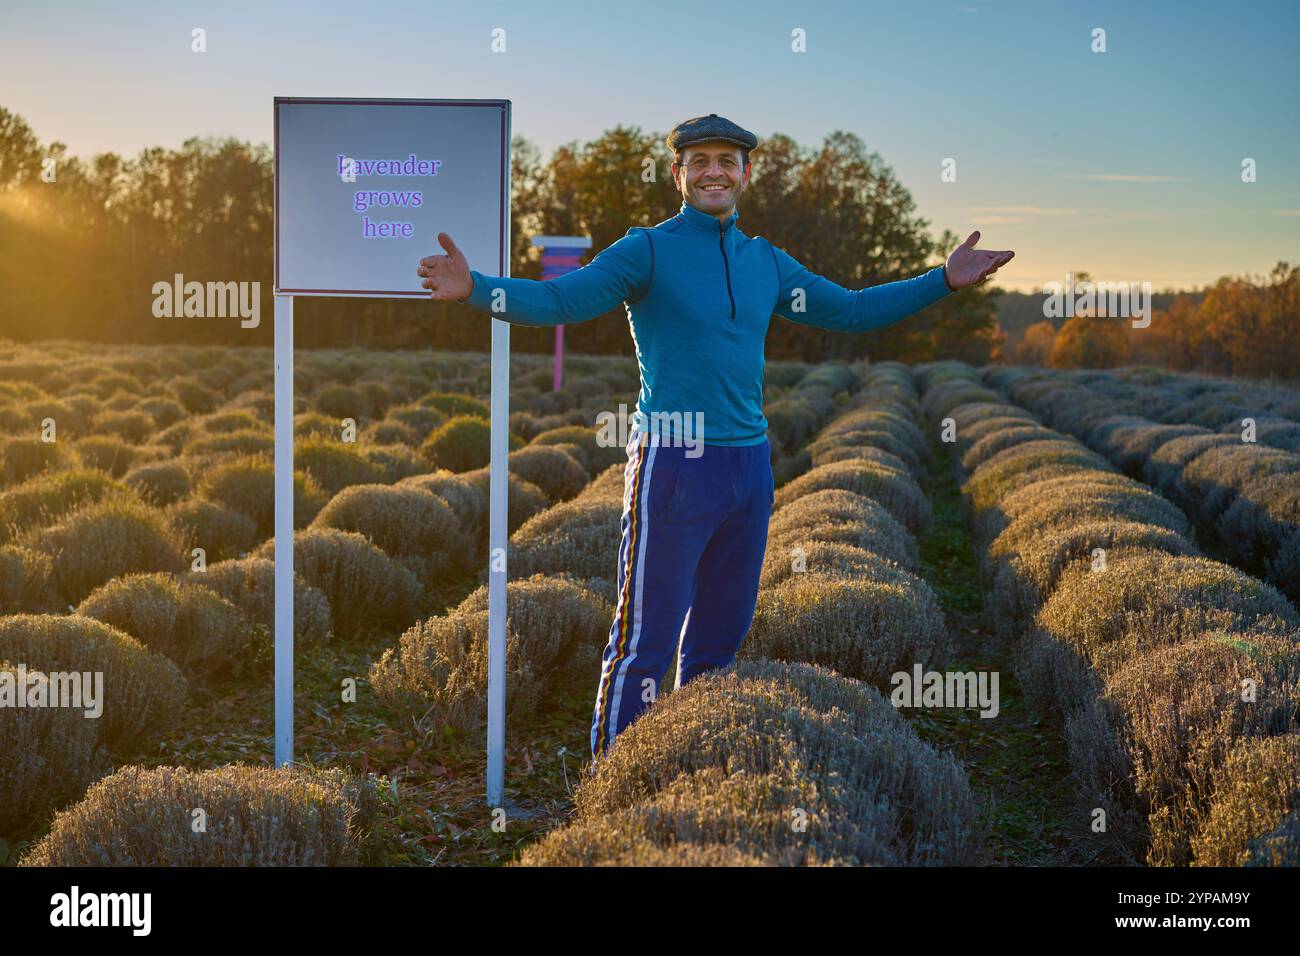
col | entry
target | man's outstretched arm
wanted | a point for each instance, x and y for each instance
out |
(619, 272)
(810, 299)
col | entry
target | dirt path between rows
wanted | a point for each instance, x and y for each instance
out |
(1016, 761)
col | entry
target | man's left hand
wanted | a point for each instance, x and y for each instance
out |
(968, 265)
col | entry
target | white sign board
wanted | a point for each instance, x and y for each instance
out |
(363, 187)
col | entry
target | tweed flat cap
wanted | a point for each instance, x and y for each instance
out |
(703, 129)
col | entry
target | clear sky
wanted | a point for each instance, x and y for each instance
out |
(1125, 163)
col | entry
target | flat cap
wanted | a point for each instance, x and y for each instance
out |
(703, 129)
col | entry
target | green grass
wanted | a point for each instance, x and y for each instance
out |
(1017, 764)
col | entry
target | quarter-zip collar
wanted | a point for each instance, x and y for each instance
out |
(697, 219)
(710, 226)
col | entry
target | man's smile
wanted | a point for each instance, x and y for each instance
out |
(716, 193)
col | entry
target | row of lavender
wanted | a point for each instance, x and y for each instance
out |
(1231, 460)
(1175, 675)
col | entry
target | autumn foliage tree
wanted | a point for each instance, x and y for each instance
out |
(1036, 344)
(1175, 338)
(1241, 326)
(1256, 327)
(1089, 341)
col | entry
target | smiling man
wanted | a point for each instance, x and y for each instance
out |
(699, 295)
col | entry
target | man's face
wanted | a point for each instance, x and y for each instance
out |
(711, 176)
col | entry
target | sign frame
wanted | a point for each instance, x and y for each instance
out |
(498, 477)
(503, 252)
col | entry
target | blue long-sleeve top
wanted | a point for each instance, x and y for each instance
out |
(699, 295)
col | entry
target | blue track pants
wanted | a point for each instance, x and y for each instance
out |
(694, 533)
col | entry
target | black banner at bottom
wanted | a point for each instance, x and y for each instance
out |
(368, 905)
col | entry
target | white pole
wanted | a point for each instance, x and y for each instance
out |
(498, 492)
(283, 530)
(498, 529)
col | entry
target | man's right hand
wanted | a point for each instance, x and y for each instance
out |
(446, 277)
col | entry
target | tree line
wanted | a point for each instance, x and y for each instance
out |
(83, 242)
(1242, 326)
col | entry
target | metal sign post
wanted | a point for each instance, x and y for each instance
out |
(283, 530)
(498, 526)
(498, 534)
(358, 201)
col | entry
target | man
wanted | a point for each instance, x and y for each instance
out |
(699, 295)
